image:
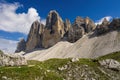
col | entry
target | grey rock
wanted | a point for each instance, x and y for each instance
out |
(21, 46)
(115, 24)
(79, 28)
(35, 36)
(12, 60)
(75, 59)
(77, 31)
(89, 25)
(103, 28)
(67, 25)
(68, 29)
(110, 63)
(54, 30)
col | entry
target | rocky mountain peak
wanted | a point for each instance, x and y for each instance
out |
(35, 36)
(51, 19)
(67, 25)
(105, 22)
(79, 20)
(54, 29)
(87, 19)
(21, 45)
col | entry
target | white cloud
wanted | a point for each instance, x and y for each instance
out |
(8, 46)
(101, 20)
(17, 22)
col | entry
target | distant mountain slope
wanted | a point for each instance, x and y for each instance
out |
(86, 47)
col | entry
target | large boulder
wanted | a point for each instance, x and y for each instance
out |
(110, 64)
(54, 30)
(12, 60)
(21, 46)
(35, 36)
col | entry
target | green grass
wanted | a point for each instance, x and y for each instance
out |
(1, 52)
(48, 70)
(115, 56)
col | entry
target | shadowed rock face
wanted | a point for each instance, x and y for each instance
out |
(103, 28)
(115, 24)
(54, 29)
(79, 28)
(35, 36)
(68, 28)
(21, 46)
(106, 26)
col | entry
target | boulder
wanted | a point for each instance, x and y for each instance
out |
(110, 64)
(12, 60)
(74, 59)
(35, 36)
(21, 46)
(54, 29)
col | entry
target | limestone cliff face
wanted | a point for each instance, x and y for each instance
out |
(80, 27)
(89, 25)
(103, 28)
(54, 29)
(115, 24)
(68, 28)
(34, 39)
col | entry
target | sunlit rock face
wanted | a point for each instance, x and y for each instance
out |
(54, 29)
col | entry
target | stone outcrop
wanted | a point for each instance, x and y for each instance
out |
(54, 29)
(21, 46)
(110, 64)
(35, 36)
(12, 60)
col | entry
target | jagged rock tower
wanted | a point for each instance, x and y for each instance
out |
(55, 30)
(35, 36)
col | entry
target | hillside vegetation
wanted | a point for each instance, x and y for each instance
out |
(62, 69)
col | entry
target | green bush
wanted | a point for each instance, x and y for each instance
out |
(1, 52)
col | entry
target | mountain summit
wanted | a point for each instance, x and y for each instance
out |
(55, 30)
(61, 39)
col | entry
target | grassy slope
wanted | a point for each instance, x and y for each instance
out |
(48, 70)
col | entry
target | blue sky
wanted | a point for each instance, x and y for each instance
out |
(95, 9)
(16, 16)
